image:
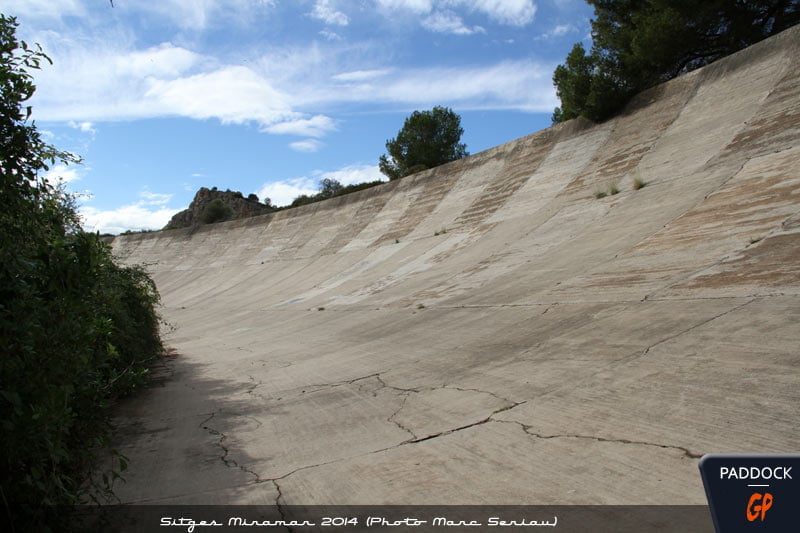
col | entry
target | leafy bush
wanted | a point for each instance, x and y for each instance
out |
(77, 330)
(216, 211)
(329, 188)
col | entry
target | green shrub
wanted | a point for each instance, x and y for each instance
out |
(216, 211)
(77, 330)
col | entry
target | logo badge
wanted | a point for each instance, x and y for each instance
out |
(752, 493)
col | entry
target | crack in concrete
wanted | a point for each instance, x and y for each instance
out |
(467, 389)
(527, 429)
(323, 386)
(447, 432)
(386, 385)
(397, 423)
(461, 428)
(253, 385)
(684, 332)
(228, 462)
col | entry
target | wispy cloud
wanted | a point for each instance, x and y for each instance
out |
(352, 174)
(325, 11)
(47, 9)
(449, 22)
(316, 126)
(306, 145)
(415, 6)
(511, 12)
(200, 14)
(508, 12)
(557, 31)
(293, 89)
(85, 126)
(520, 85)
(360, 75)
(330, 35)
(154, 198)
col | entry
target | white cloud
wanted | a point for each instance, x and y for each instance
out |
(85, 126)
(316, 126)
(558, 31)
(154, 198)
(43, 8)
(353, 174)
(521, 85)
(283, 192)
(232, 94)
(416, 6)
(150, 212)
(325, 11)
(129, 217)
(511, 12)
(62, 173)
(360, 75)
(330, 35)
(449, 22)
(200, 14)
(307, 145)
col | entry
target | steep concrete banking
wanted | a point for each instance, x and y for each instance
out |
(490, 331)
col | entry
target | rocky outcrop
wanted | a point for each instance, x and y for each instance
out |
(234, 205)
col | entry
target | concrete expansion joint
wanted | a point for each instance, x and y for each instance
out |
(528, 429)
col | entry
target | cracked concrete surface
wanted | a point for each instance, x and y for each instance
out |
(550, 348)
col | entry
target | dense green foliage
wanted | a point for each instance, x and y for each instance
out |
(216, 211)
(640, 43)
(328, 188)
(428, 139)
(76, 329)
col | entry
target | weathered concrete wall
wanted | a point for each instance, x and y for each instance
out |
(545, 347)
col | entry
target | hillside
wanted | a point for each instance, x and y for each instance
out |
(490, 331)
(231, 205)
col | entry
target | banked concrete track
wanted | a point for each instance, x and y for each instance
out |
(490, 332)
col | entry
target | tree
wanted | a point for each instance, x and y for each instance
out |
(76, 329)
(640, 43)
(328, 188)
(428, 139)
(216, 211)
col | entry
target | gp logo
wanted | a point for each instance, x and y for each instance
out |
(748, 493)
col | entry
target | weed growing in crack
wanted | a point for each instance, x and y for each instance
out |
(638, 181)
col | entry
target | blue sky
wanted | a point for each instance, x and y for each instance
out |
(161, 97)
